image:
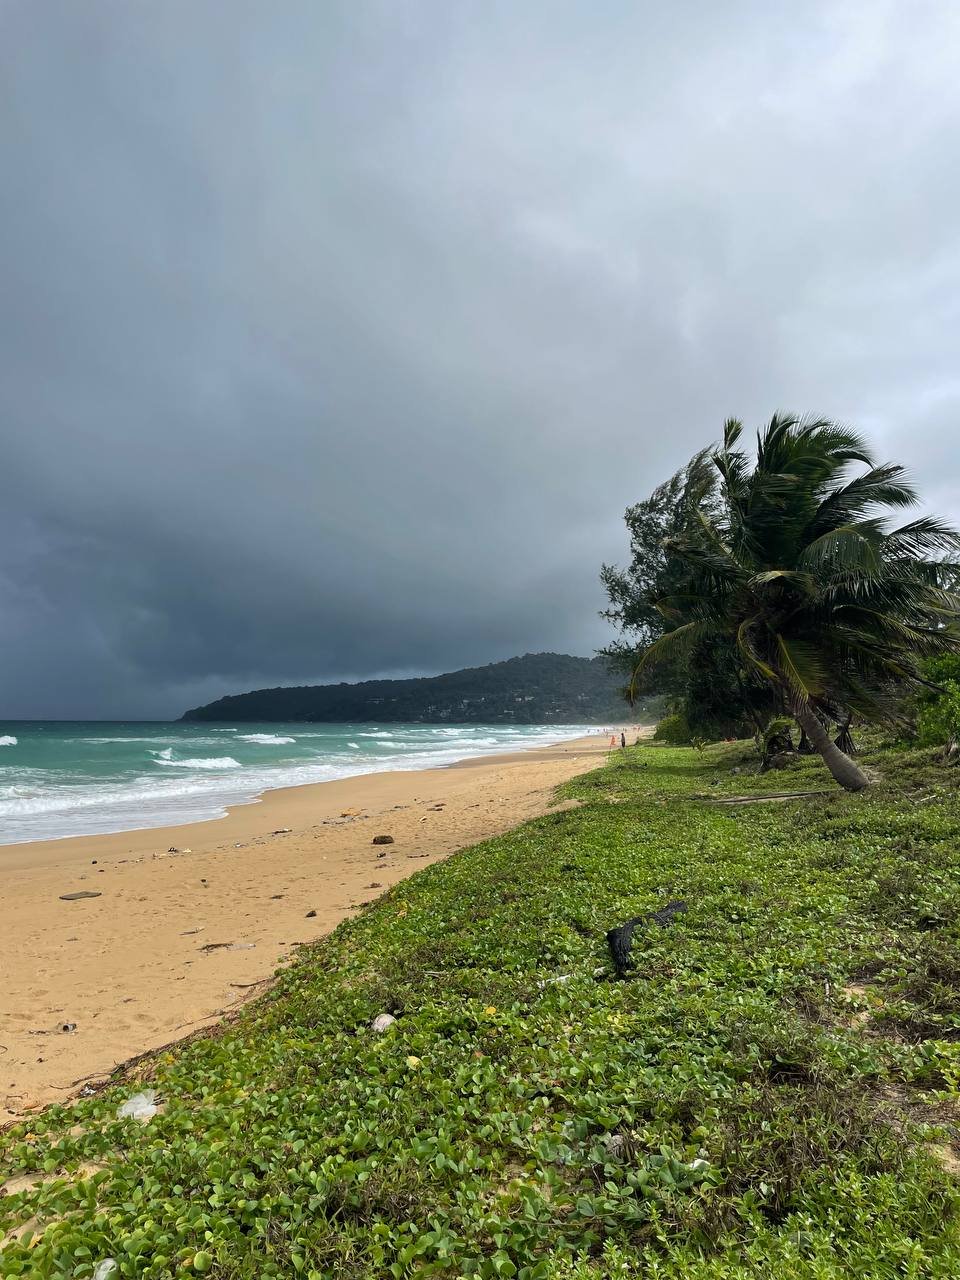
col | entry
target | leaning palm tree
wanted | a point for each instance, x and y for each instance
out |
(804, 575)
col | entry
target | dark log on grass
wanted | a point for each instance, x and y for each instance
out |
(620, 940)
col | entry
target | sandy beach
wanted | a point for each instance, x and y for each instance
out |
(187, 921)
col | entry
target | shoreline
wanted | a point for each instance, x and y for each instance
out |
(244, 791)
(22, 855)
(188, 921)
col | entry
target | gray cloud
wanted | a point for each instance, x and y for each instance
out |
(334, 339)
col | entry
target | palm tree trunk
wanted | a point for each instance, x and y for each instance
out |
(844, 771)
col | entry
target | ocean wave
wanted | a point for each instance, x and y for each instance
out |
(43, 803)
(7, 740)
(205, 762)
(98, 742)
(266, 739)
(179, 740)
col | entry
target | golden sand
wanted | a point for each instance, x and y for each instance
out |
(143, 963)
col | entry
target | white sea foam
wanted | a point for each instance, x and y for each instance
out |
(202, 762)
(38, 803)
(7, 740)
(158, 738)
(267, 739)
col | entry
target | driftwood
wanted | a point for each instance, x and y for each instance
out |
(620, 940)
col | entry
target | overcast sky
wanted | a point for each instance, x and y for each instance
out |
(335, 337)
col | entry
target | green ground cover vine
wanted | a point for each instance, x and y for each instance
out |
(773, 1092)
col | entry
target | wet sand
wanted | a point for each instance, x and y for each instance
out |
(129, 967)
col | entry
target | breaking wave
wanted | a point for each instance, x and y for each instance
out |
(208, 762)
(66, 781)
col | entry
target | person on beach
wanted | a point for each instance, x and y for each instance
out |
(613, 739)
(623, 741)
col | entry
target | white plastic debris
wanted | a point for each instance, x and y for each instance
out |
(696, 1165)
(142, 1106)
(616, 1144)
(382, 1021)
(106, 1269)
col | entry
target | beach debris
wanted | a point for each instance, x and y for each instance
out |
(616, 1144)
(274, 896)
(282, 831)
(67, 1027)
(437, 807)
(350, 813)
(382, 840)
(93, 862)
(374, 884)
(620, 940)
(187, 932)
(228, 946)
(106, 1269)
(75, 897)
(382, 854)
(310, 915)
(142, 1106)
(381, 1022)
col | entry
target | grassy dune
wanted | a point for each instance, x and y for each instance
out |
(773, 1093)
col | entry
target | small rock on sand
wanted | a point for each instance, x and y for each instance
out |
(75, 897)
(382, 840)
(310, 915)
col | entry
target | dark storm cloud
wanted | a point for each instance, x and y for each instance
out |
(334, 338)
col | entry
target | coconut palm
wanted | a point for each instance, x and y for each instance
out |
(804, 575)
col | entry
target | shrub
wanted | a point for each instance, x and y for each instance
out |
(673, 730)
(938, 721)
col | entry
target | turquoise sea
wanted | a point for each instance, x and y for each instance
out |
(65, 778)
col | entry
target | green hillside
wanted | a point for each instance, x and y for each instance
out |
(539, 688)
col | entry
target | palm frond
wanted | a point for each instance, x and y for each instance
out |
(752, 658)
(848, 547)
(670, 645)
(802, 666)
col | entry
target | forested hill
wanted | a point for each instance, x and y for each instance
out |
(539, 688)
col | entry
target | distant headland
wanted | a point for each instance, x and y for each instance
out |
(538, 688)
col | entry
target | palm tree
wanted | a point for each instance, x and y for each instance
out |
(804, 575)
